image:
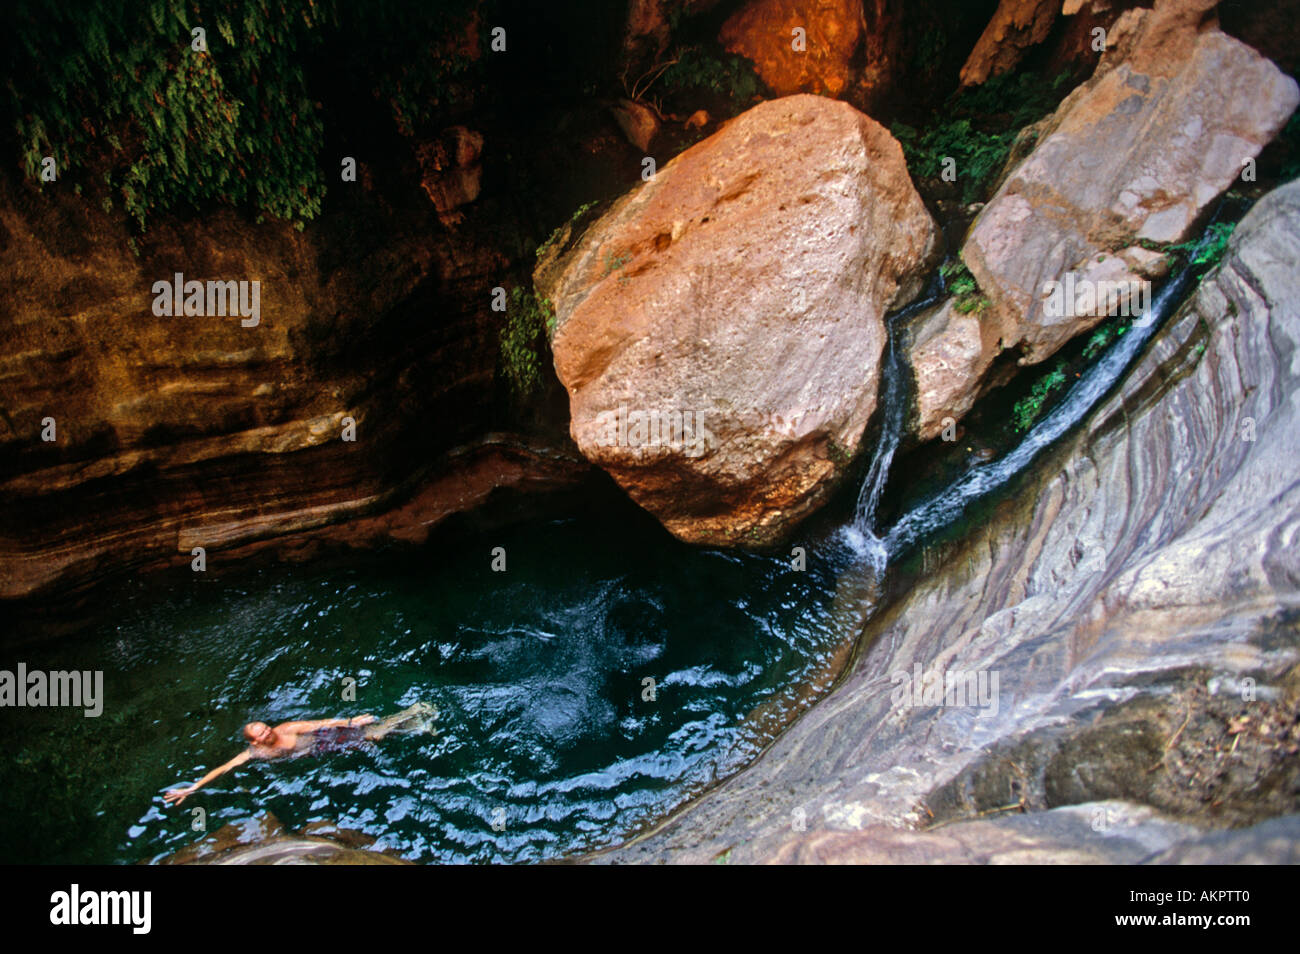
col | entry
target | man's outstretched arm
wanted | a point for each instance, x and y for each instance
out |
(178, 795)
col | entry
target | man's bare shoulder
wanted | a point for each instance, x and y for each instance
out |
(275, 751)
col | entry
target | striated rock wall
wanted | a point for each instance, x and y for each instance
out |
(1138, 597)
(175, 432)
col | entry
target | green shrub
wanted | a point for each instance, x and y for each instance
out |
(1216, 243)
(1102, 336)
(695, 70)
(1030, 407)
(1190, 253)
(117, 85)
(114, 86)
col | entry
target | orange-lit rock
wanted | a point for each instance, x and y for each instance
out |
(766, 31)
(452, 171)
(1016, 26)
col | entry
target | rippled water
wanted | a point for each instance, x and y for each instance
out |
(538, 674)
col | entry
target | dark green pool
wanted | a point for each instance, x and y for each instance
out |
(538, 673)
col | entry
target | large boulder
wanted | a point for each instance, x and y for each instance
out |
(1137, 153)
(1135, 598)
(719, 330)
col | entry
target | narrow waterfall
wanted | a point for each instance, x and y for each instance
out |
(895, 393)
(982, 479)
(948, 505)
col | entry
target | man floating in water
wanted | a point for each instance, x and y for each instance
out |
(320, 735)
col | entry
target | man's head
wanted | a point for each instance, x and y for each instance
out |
(258, 732)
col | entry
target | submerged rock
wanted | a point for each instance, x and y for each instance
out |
(1166, 124)
(263, 840)
(1136, 599)
(719, 330)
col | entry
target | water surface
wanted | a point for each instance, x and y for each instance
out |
(549, 743)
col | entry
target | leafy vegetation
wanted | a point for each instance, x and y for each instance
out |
(529, 321)
(962, 286)
(1192, 252)
(929, 49)
(427, 49)
(116, 88)
(614, 262)
(1102, 336)
(1211, 252)
(555, 236)
(694, 69)
(977, 128)
(1030, 407)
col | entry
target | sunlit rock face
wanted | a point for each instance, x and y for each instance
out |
(1136, 599)
(1173, 115)
(798, 46)
(719, 330)
(1016, 26)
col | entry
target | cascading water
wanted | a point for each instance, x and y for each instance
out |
(540, 678)
(949, 504)
(982, 479)
(894, 395)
